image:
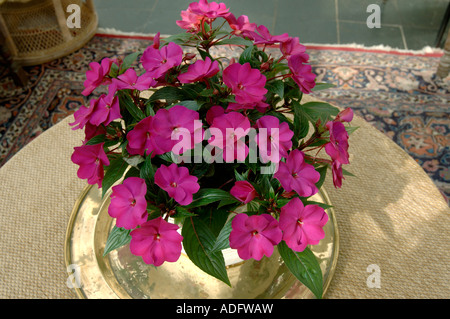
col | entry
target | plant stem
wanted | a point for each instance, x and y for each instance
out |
(279, 76)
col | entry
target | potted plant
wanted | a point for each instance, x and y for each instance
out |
(219, 139)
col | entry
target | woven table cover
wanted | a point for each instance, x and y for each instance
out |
(391, 218)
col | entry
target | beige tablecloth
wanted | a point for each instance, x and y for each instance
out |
(390, 215)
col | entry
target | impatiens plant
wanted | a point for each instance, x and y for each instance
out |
(202, 153)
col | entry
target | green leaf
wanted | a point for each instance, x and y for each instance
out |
(311, 202)
(264, 187)
(149, 109)
(323, 173)
(169, 93)
(132, 172)
(304, 266)
(228, 201)
(223, 239)
(213, 217)
(114, 72)
(128, 61)
(180, 38)
(322, 86)
(276, 87)
(198, 241)
(207, 196)
(204, 54)
(320, 110)
(246, 56)
(114, 172)
(320, 142)
(97, 139)
(347, 173)
(147, 170)
(168, 157)
(282, 201)
(351, 129)
(183, 212)
(235, 41)
(191, 105)
(252, 206)
(291, 90)
(240, 177)
(192, 91)
(134, 160)
(301, 121)
(117, 238)
(207, 92)
(135, 112)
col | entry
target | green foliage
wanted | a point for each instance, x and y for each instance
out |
(304, 266)
(117, 238)
(113, 173)
(199, 242)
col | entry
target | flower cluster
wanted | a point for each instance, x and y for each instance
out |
(183, 136)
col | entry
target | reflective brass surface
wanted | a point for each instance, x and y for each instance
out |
(123, 275)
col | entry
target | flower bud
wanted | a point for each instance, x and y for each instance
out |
(189, 56)
(243, 191)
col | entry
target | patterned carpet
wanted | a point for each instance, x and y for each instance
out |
(397, 93)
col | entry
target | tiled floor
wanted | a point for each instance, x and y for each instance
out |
(405, 24)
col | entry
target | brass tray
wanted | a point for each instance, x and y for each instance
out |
(123, 275)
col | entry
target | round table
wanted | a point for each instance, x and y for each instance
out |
(393, 221)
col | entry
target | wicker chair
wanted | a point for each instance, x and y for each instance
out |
(36, 31)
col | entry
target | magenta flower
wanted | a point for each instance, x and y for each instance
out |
(91, 159)
(156, 241)
(211, 10)
(246, 83)
(241, 26)
(263, 36)
(297, 175)
(254, 236)
(273, 139)
(156, 41)
(107, 109)
(128, 204)
(338, 176)
(190, 21)
(130, 80)
(177, 182)
(301, 73)
(337, 148)
(199, 70)
(177, 123)
(302, 225)
(97, 75)
(83, 115)
(233, 127)
(141, 139)
(243, 191)
(214, 112)
(158, 61)
(345, 115)
(291, 47)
